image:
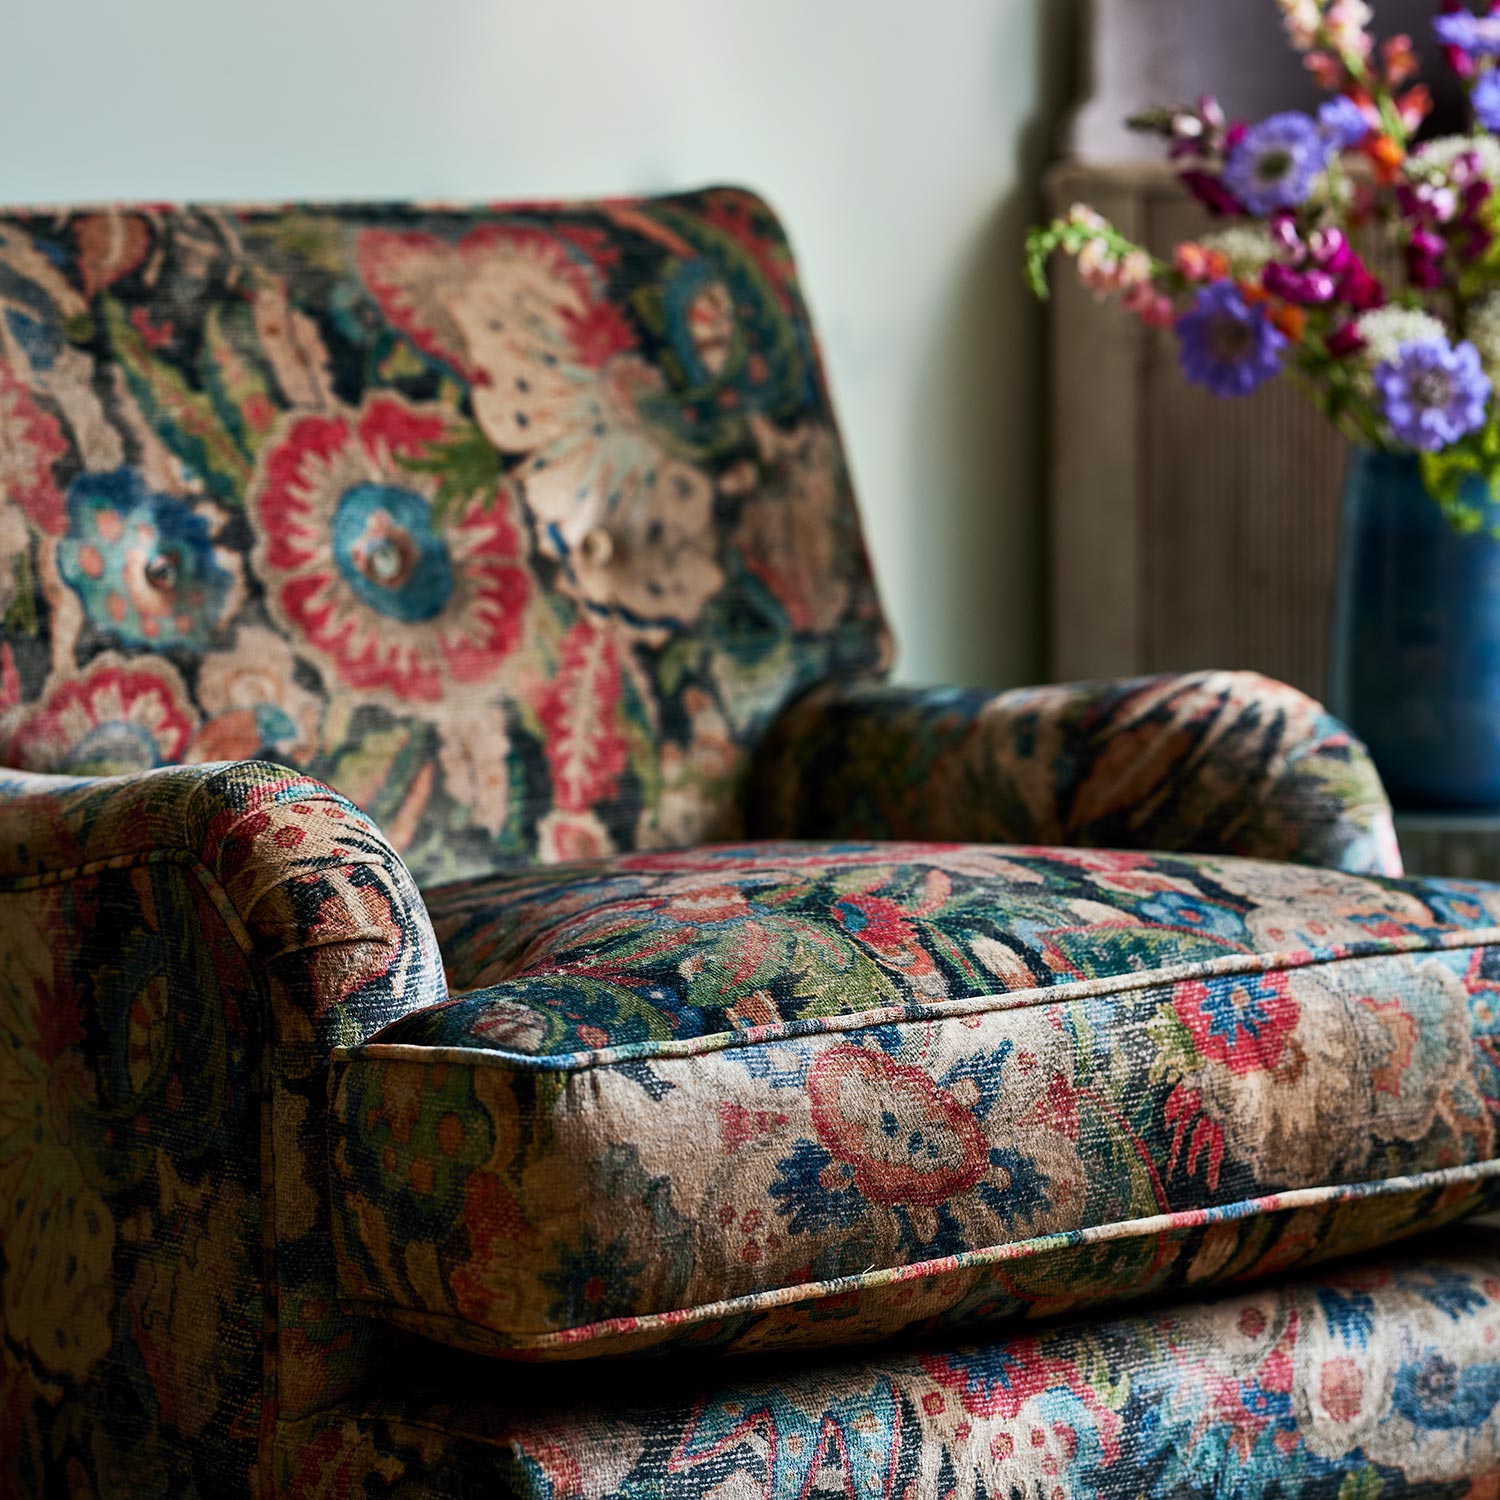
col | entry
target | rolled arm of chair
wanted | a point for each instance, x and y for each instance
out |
(1205, 762)
(179, 952)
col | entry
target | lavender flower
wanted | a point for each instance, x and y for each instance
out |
(1274, 164)
(1479, 36)
(1343, 122)
(1432, 394)
(1486, 99)
(1227, 345)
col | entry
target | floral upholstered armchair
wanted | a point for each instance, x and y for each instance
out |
(473, 917)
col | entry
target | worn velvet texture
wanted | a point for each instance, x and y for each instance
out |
(527, 529)
(1380, 1378)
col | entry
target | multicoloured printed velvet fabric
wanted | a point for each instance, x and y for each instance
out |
(785, 1095)
(1208, 762)
(1379, 1379)
(178, 953)
(515, 524)
(521, 525)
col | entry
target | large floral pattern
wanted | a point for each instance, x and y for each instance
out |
(529, 529)
(939, 1082)
(558, 381)
(121, 714)
(1378, 1378)
(360, 567)
(145, 565)
(479, 489)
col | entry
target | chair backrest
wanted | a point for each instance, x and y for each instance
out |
(516, 523)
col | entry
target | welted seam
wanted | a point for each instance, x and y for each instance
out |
(794, 1294)
(995, 1003)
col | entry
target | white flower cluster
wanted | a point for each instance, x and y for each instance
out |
(1387, 329)
(1345, 23)
(1434, 161)
(1248, 248)
(1482, 327)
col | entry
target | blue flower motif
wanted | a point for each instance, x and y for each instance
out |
(1432, 394)
(1452, 1293)
(1025, 1197)
(1433, 1394)
(1485, 97)
(592, 1281)
(390, 553)
(1479, 36)
(143, 564)
(1350, 1315)
(1227, 345)
(815, 1193)
(1175, 909)
(1343, 122)
(1274, 164)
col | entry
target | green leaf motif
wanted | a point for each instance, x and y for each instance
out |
(1366, 1484)
(467, 469)
(185, 419)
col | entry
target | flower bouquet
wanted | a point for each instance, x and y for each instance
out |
(1407, 366)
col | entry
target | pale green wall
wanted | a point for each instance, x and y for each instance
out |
(899, 138)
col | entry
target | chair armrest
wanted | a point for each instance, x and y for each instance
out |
(179, 952)
(1207, 762)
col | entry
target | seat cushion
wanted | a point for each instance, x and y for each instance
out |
(1378, 1379)
(774, 1094)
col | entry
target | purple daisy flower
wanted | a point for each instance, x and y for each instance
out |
(1274, 164)
(1343, 122)
(1479, 36)
(1227, 345)
(1432, 394)
(1486, 99)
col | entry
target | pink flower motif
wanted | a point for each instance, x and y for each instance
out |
(907, 1140)
(31, 441)
(578, 709)
(118, 717)
(359, 568)
(1239, 1020)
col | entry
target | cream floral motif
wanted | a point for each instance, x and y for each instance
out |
(476, 744)
(556, 381)
(254, 704)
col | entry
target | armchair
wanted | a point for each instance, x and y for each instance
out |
(658, 981)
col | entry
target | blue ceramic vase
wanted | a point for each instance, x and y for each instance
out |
(1415, 662)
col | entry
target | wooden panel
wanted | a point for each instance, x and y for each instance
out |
(1186, 531)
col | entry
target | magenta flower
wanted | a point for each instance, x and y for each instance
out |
(1307, 288)
(1210, 191)
(1424, 258)
(1432, 394)
(1227, 345)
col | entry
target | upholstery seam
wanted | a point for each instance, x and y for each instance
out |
(792, 1295)
(999, 1003)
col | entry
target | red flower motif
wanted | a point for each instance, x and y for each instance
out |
(584, 745)
(1239, 1020)
(394, 604)
(115, 718)
(30, 443)
(907, 1140)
